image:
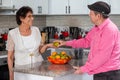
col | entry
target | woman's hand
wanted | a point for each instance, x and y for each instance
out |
(50, 45)
(43, 48)
(78, 70)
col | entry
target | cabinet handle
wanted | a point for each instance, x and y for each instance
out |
(66, 9)
(69, 9)
(39, 9)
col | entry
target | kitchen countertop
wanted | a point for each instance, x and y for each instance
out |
(46, 68)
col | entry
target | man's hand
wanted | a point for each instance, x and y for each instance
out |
(78, 70)
(61, 42)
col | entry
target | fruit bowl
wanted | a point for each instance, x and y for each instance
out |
(59, 58)
(58, 61)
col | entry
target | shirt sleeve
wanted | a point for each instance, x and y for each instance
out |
(10, 43)
(81, 43)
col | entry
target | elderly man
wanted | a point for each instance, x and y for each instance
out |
(104, 43)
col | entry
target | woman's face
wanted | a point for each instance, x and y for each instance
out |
(28, 20)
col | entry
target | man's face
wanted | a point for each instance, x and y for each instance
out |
(94, 17)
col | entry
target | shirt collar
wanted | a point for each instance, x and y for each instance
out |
(103, 24)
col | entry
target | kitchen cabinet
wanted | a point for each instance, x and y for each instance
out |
(6, 3)
(58, 6)
(78, 7)
(10, 6)
(4, 72)
(68, 7)
(115, 9)
(6, 7)
(38, 6)
(93, 1)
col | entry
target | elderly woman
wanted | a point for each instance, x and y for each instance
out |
(24, 42)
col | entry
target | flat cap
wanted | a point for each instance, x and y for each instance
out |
(101, 7)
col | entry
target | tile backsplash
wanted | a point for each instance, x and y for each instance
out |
(83, 21)
(78, 20)
(9, 21)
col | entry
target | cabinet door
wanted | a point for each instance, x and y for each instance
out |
(78, 7)
(68, 7)
(92, 1)
(19, 3)
(6, 7)
(58, 6)
(115, 8)
(44, 6)
(38, 6)
(8, 3)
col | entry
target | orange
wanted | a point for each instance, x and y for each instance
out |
(54, 53)
(66, 57)
(50, 56)
(63, 52)
(57, 57)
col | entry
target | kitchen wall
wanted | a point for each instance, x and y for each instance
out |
(10, 21)
(68, 20)
(76, 20)
(51, 20)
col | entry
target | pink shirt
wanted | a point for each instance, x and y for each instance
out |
(104, 44)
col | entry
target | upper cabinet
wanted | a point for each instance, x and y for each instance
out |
(6, 7)
(93, 1)
(68, 7)
(54, 7)
(38, 6)
(78, 7)
(10, 6)
(115, 8)
(58, 6)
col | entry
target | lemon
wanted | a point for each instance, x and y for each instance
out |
(63, 57)
(56, 44)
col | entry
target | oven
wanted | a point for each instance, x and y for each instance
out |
(4, 72)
